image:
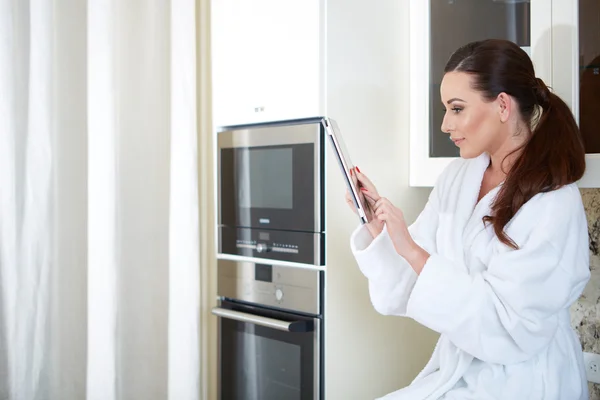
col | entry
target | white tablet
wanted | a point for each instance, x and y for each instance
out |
(335, 138)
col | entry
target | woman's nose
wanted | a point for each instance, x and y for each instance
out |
(446, 126)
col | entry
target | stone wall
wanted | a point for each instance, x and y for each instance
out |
(585, 314)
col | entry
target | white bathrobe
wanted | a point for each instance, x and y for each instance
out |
(503, 314)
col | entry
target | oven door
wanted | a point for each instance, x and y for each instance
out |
(270, 176)
(267, 355)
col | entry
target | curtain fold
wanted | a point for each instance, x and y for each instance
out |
(99, 206)
(26, 109)
(102, 227)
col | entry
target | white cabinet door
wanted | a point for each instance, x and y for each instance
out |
(576, 72)
(267, 60)
(437, 29)
(230, 58)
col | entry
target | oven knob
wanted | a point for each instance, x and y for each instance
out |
(279, 294)
(262, 247)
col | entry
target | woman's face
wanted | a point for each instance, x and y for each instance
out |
(474, 125)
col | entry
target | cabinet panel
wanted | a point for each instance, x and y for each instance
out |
(266, 60)
(289, 45)
(230, 55)
(576, 37)
(589, 74)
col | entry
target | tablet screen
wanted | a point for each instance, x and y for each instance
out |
(348, 170)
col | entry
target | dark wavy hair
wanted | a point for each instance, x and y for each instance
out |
(553, 155)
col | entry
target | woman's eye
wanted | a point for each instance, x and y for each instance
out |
(455, 110)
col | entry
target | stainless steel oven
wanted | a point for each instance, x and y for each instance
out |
(270, 190)
(270, 332)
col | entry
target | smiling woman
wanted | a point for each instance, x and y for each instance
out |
(531, 152)
(500, 252)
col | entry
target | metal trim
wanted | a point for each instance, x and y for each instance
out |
(269, 136)
(319, 223)
(257, 260)
(287, 326)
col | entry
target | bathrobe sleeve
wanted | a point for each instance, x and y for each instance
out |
(391, 278)
(510, 312)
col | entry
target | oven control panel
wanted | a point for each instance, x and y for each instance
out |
(265, 247)
(284, 287)
(299, 247)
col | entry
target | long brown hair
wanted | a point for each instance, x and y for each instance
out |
(554, 155)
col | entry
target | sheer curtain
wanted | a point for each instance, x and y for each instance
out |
(99, 232)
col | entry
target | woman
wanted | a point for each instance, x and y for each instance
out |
(500, 251)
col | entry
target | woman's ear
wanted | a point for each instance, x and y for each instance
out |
(504, 106)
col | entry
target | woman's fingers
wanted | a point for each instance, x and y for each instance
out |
(365, 182)
(371, 197)
(381, 202)
(383, 209)
(350, 202)
(348, 198)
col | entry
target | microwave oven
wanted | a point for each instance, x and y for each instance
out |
(271, 190)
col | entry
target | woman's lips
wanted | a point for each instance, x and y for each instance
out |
(457, 141)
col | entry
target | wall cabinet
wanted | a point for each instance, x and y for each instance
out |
(576, 72)
(267, 60)
(561, 36)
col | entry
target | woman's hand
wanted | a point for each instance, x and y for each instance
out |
(375, 226)
(393, 218)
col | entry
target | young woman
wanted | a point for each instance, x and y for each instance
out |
(500, 251)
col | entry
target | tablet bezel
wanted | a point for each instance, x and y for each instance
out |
(333, 132)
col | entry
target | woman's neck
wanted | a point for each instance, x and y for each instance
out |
(502, 160)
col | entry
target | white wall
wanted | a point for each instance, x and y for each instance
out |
(368, 355)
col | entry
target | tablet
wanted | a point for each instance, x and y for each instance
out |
(341, 153)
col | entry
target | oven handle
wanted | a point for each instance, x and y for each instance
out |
(288, 326)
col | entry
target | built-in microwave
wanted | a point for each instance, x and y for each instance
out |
(270, 190)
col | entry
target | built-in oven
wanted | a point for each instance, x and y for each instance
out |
(270, 190)
(270, 332)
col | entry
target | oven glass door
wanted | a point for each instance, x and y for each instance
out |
(262, 361)
(269, 187)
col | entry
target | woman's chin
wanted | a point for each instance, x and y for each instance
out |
(465, 152)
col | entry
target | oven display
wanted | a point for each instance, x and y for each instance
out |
(264, 236)
(265, 178)
(263, 272)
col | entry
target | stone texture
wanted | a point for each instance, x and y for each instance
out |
(585, 313)
(594, 391)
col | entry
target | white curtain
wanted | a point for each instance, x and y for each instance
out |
(99, 232)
